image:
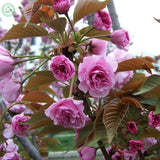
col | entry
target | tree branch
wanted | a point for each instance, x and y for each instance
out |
(114, 16)
(29, 147)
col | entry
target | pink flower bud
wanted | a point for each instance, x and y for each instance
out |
(62, 68)
(67, 113)
(10, 90)
(153, 120)
(102, 21)
(20, 129)
(136, 145)
(6, 63)
(132, 127)
(120, 38)
(61, 6)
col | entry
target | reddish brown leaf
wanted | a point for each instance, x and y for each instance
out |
(58, 24)
(114, 113)
(34, 11)
(38, 81)
(86, 7)
(134, 64)
(20, 31)
(37, 96)
(132, 101)
(41, 123)
(135, 82)
(95, 32)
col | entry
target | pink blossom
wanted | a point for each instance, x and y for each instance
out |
(10, 90)
(115, 155)
(61, 6)
(8, 131)
(132, 127)
(6, 63)
(62, 68)
(67, 113)
(128, 155)
(11, 156)
(121, 77)
(120, 38)
(2, 32)
(149, 142)
(24, 2)
(20, 129)
(10, 146)
(102, 21)
(136, 145)
(96, 75)
(153, 120)
(16, 16)
(58, 89)
(87, 153)
(97, 47)
(19, 72)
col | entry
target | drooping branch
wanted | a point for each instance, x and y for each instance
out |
(29, 147)
(114, 16)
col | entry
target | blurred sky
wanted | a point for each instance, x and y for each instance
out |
(136, 16)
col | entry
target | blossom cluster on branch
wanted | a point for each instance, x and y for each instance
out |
(77, 83)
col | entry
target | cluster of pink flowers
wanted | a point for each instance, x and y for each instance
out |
(16, 128)
(82, 73)
(11, 150)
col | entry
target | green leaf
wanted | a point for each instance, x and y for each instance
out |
(66, 91)
(114, 113)
(54, 129)
(95, 32)
(51, 140)
(20, 31)
(58, 24)
(44, 73)
(134, 64)
(86, 7)
(83, 134)
(37, 96)
(41, 123)
(151, 85)
(148, 101)
(36, 117)
(157, 111)
(150, 132)
(99, 128)
(39, 80)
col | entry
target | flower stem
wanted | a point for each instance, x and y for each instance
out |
(99, 36)
(103, 149)
(71, 26)
(29, 75)
(40, 57)
(89, 30)
(25, 60)
(71, 87)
